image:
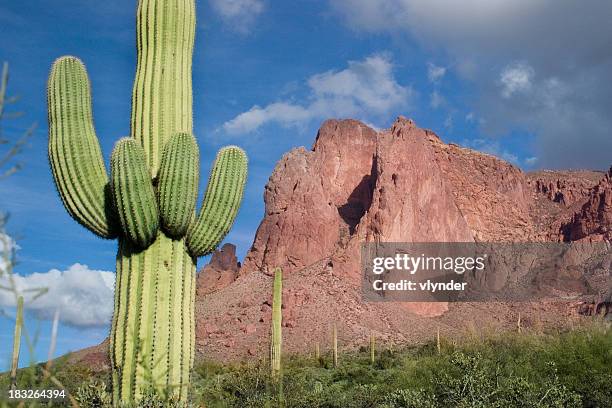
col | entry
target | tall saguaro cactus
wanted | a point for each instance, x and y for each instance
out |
(335, 345)
(149, 200)
(372, 348)
(277, 316)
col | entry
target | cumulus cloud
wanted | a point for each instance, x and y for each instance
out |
(555, 93)
(364, 89)
(516, 78)
(239, 14)
(435, 73)
(84, 297)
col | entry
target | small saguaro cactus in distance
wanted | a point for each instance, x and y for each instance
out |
(335, 345)
(372, 348)
(149, 200)
(276, 332)
(16, 342)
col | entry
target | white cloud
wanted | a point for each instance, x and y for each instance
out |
(436, 99)
(516, 78)
(7, 246)
(470, 117)
(564, 107)
(364, 89)
(83, 296)
(281, 112)
(239, 14)
(435, 73)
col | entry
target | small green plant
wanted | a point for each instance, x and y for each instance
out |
(94, 393)
(149, 200)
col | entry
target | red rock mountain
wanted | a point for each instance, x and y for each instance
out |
(402, 184)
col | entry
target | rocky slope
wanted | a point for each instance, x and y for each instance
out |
(402, 184)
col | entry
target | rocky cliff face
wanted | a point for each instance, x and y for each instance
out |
(315, 199)
(594, 219)
(405, 185)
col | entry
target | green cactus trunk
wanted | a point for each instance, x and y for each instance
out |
(277, 316)
(335, 346)
(149, 200)
(372, 349)
(152, 334)
(16, 342)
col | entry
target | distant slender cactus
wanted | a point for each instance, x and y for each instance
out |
(372, 348)
(53, 341)
(438, 344)
(149, 200)
(317, 351)
(276, 332)
(518, 324)
(335, 345)
(17, 342)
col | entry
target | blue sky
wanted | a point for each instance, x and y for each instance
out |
(527, 82)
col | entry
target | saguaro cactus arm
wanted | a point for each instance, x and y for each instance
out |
(133, 193)
(221, 201)
(74, 152)
(179, 175)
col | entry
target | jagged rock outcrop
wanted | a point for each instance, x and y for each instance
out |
(411, 201)
(315, 199)
(220, 272)
(405, 185)
(594, 220)
(561, 187)
(352, 187)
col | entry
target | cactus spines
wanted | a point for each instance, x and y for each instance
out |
(372, 348)
(221, 201)
(179, 176)
(276, 332)
(335, 345)
(149, 202)
(133, 193)
(17, 342)
(74, 151)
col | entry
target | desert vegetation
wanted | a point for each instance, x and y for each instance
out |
(567, 369)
